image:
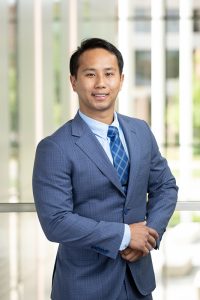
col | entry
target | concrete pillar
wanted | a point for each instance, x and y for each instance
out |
(125, 101)
(158, 78)
(69, 32)
(47, 68)
(4, 103)
(26, 95)
(185, 98)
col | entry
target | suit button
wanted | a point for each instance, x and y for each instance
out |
(125, 211)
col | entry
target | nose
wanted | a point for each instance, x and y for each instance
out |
(100, 82)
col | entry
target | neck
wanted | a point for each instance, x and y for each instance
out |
(103, 117)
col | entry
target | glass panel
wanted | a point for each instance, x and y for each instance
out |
(174, 102)
(26, 254)
(93, 19)
(177, 263)
(96, 21)
(143, 68)
(196, 22)
(4, 107)
(26, 258)
(24, 251)
(142, 19)
(56, 28)
(172, 20)
(13, 101)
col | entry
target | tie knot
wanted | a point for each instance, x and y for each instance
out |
(112, 132)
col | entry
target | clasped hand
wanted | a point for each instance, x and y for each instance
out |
(143, 240)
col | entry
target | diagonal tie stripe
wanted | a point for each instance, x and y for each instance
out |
(120, 159)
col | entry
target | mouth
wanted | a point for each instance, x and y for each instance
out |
(100, 96)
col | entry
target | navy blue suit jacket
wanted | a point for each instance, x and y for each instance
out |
(81, 205)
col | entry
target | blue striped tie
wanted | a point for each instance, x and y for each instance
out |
(120, 159)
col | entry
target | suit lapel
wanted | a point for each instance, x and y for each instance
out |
(134, 151)
(89, 144)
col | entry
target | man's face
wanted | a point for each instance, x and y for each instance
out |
(97, 83)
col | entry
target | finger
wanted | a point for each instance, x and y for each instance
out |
(153, 233)
(133, 256)
(127, 251)
(129, 257)
(145, 251)
(125, 257)
(149, 246)
(137, 255)
(152, 241)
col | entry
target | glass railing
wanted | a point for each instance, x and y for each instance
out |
(27, 258)
(177, 263)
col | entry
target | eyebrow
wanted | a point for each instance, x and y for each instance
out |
(93, 69)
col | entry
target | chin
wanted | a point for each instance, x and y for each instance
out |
(103, 108)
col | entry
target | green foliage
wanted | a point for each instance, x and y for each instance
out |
(196, 103)
(196, 218)
(13, 105)
(175, 219)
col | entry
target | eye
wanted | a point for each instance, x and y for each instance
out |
(109, 74)
(90, 74)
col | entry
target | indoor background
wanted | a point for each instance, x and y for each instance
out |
(160, 42)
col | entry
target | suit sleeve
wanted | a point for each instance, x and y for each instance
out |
(53, 196)
(162, 192)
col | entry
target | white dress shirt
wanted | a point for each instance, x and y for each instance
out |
(100, 131)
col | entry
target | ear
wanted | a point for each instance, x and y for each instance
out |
(121, 81)
(73, 82)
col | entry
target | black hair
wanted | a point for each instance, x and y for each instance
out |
(93, 43)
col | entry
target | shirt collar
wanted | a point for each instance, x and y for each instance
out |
(98, 128)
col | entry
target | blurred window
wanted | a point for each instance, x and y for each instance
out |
(196, 18)
(172, 20)
(172, 64)
(143, 67)
(142, 20)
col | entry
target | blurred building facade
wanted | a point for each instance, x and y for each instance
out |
(160, 42)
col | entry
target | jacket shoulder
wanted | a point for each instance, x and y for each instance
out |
(60, 136)
(135, 122)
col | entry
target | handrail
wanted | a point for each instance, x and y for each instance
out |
(17, 207)
(30, 207)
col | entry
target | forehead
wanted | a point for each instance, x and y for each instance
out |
(97, 58)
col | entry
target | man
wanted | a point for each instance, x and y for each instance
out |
(102, 190)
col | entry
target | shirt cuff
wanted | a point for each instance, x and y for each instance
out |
(126, 238)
